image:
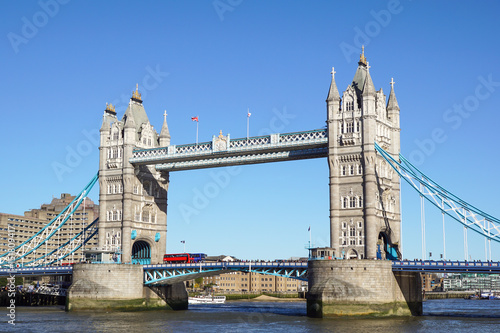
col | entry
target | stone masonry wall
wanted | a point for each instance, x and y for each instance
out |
(359, 287)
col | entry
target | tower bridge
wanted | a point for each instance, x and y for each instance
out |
(361, 144)
(365, 217)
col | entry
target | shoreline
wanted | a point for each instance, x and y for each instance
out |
(265, 298)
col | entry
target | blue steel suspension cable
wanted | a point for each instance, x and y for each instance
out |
(92, 225)
(414, 173)
(78, 200)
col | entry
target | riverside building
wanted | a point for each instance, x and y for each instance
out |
(23, 227)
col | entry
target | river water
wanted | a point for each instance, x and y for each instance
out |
(450, 315)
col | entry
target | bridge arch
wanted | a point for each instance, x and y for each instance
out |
(385, 249)
(141, 252)
(352, 254)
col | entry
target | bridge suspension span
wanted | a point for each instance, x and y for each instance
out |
(459, 210)
(19, 255)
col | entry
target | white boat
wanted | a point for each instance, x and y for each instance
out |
(207, 299)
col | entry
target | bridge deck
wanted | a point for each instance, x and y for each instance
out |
(274, 267)
(486, 267)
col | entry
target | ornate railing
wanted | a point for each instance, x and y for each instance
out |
(223, 144)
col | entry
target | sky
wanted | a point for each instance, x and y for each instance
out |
(64, 60)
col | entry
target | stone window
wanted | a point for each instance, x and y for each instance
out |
(351, 170)
(352, 231)
(352, 202)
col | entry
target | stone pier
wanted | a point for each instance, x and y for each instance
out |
(120, 287)
(361, 288)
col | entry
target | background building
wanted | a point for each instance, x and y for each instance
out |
(25, 227)
(471, 282)
(253, 282)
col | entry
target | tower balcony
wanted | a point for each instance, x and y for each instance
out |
(349, 139)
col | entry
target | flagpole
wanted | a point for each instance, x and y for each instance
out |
(248, 122)
(309, 250)
(197, 122)
(309, 236)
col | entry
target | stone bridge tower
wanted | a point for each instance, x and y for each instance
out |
(132, 200)
(365, 212)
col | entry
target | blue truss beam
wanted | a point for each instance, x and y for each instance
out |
(172, 273)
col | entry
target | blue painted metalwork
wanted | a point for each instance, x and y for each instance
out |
(458, 209)
(49, 270)
(58, 254)
(172, 273)
(141, 253)
(37, 240)
(486, 267)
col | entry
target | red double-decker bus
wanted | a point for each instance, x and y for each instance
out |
(184, 257)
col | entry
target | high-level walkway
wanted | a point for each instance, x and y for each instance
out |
(224, 151)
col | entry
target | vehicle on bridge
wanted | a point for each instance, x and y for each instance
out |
(184, 258)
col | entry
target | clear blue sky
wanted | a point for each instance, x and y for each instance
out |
(63, 60)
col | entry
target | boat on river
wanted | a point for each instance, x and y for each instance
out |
(207, 299)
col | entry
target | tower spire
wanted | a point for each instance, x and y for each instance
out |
(333, 93)
(369, 87)
(362, 58)
(164, 134)
(136, 96)
(392, 103)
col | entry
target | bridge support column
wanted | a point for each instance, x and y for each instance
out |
(109, 286)
(175, 295)
(361, 287)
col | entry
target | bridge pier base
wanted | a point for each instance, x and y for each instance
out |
(175, 295)
(361, 288)
(111, 286)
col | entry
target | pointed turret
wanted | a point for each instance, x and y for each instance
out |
(333, 99)
(128, 118)
(333, 93)
(359, 77)
(136, 111)
(108, 117)
(392, 103)
(164, 134)
(368, 87)
(393, 106)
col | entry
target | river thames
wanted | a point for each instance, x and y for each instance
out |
(450, 315)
